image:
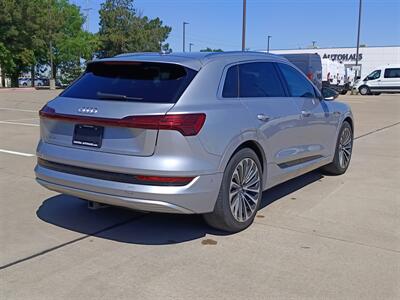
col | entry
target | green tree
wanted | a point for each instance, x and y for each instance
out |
(33, 31)
(208, 49)
(17, 37)
(68, 42)
(123, 30)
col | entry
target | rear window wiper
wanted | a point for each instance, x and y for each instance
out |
(109, 96)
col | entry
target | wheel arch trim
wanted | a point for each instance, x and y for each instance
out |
(246, 139)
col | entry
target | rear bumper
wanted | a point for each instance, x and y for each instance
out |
(197, 197)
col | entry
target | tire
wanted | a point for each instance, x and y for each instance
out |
(226, 215)
(343, 92)
(364, 90)
(344, 144)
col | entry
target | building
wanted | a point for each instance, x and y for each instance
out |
(369, 57)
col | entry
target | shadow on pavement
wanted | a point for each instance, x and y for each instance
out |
(289, 187)
(127, 226)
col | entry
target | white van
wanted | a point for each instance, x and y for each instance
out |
(385, 79)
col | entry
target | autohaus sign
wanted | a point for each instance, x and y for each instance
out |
(343, 57)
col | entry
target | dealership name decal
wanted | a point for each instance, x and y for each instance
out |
(343, 57)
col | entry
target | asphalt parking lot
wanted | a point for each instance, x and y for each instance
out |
(320, 237)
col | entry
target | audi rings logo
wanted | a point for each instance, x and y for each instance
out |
(88, 110)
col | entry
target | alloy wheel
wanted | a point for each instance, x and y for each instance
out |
(345, 147)
(244, 190)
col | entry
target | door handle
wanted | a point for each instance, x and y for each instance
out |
(305, 113)
(263, 117)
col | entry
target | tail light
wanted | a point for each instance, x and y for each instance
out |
(187, 124)
(310, 75)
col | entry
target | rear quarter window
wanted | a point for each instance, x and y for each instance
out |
(132, 81)
(231, 84)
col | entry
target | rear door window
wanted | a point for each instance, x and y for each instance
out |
(259, 79)
(392, 73)
(297, 84)
(132, 81)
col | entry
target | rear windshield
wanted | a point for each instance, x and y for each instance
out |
(132, 81)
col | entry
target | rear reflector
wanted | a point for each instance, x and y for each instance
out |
(164, 180)
(113, 176)
(187, 124)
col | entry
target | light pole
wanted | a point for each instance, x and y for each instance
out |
(184, 35)
(244, 27)
(358, 43)
(190, 47)
(358, 34)
(269, 37)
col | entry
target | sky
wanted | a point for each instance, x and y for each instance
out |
(292, 24)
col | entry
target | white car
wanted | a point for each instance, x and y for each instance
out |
(382, 80)
(24, 82)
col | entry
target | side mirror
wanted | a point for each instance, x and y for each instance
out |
(329, 94)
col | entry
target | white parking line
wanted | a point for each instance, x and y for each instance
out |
(17, 120)
(17, 109)
(18, 123)
(17, 153)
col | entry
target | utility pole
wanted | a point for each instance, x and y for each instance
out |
(190, 47)
(184, 35)
(358, 43)
(269, 37)
(244, 27)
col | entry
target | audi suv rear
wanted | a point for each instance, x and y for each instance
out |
(191, 133)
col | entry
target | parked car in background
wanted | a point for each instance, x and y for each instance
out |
(25, 82)
(192, 133)
(309, 64)
(385, 79)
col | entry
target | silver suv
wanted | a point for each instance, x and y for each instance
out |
(198, 133)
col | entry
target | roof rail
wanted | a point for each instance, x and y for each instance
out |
(135, 54)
